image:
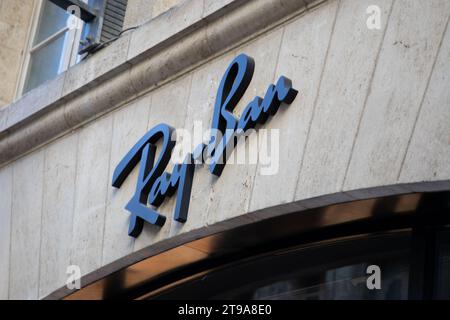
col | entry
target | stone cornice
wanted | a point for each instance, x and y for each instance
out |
(166, 47)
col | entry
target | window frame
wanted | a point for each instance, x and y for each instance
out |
(70, 50)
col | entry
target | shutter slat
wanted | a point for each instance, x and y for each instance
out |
(111, 25)
(116, 10)
(118, 4)
(110, 30)
(113, 14)
(113, 19)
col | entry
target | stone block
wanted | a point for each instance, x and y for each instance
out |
(57, 213)
(92, 182)
(212, 6)
(159, 7)
(341, 97)
(129, 125)
(302, 57)
(165, 26)
(9, 66)
(428, 154)
(26, 226)
(409, 50)
(98, 67)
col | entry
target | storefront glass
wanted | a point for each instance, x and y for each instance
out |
(339, 269)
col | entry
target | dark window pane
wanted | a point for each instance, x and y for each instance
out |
(335, 270)
(443, 279)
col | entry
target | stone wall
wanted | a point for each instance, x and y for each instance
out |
(140, 11)
(371, 119)
(15, 19)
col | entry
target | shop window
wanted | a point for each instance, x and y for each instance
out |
(393, 248)
(335, 270)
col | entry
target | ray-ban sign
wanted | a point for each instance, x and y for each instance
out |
(154, 184)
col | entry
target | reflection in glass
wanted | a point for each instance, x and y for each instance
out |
(53, 19)
(343, 283)
(44, 63)
(443, 279)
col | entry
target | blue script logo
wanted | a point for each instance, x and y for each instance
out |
(154, 184)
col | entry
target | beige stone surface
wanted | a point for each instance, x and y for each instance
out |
(5, 229)
(138, 12)
(36, 99)
(165, 26)
(9, 66)
(199, 109)
(89, 72)
(3, 103)
(340, 99)
(141, 11)
(429, 149)
(400, 80)
(28, 178)
(15, 18)
(161, 6)
(57, 213)
(301, 59)
(129, 125)
(234, 187)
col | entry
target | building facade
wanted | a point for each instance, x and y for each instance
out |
(361, 153)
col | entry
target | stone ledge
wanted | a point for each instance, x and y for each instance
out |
(132, 66)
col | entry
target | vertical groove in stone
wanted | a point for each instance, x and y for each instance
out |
(368, 92)
(423, 98)
(316, 97)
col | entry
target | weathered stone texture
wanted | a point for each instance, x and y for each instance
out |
(301, 59)
(140, 11)
(129, 125)
(15, 17)
(28, 178)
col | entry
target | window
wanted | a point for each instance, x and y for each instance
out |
(53, 46)
(332, 270)
(413, 263)
(64, 31)
(321, 253)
